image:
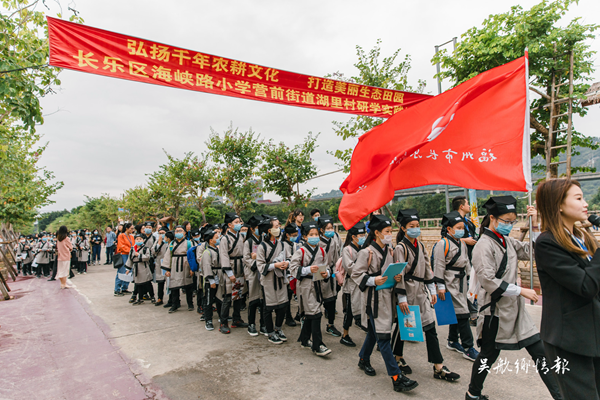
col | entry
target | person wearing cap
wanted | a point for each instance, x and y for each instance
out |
(272, 266)
(351, 298)
(417, 280)
(42, 257)
(329, 286)
(290, 239)
(211, 265)
(138, 264)
(83, 249)
(304, 263)
(255, 300)
(231, 251)
(377, 306)
(157, 251)
(178, 270)
(452, 268)
(504, 323)
(195, 233)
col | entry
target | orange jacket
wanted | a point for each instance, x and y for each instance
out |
(124, 243)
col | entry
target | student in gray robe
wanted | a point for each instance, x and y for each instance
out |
(351, 295)
(378, 306)
(82, 245)
(289, 239)
(504, 323)
(254, 296)
(452, 268)
(272, 266)
(138, 264)
(26, 251)
(178, 270)
(329, 286)
(418, 289)
(231, 251)
(211, 265)
(42, 257)
(304, 265)
(158, 251)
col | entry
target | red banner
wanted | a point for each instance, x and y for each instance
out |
(96, 51)
(475, 135)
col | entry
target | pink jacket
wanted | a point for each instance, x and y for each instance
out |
(64, 249)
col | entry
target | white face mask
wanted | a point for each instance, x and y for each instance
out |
(387, 239)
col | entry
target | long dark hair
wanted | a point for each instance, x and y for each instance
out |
(62, 233)
(369, 239)
(293, 215)
(348, 239)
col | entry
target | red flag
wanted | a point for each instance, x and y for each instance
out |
(475, 135)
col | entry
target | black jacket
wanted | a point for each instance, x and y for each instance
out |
(571, 305)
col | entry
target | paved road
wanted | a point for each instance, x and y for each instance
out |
(156, 354)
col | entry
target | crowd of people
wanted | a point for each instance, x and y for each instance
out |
(260, 265)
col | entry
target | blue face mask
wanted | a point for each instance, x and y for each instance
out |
(44, 239)
(361, 241)
(243, 234)
(504, 229)
(459, 233)
(218, 242)
(316, 218)
(179, 235)
(257, 232)
(148, 231)
(313, 241)
(413, 233)
(237, 227)
(329, 234)
(293, 238)
(162, 235)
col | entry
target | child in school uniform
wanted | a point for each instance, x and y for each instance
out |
(254, 297)
(290, 243)
(138, 265)
(329, 285)
(211, 265)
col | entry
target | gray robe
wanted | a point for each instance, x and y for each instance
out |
(139, 265)
(415, 278)
(328, 286)
(453, 277)
(231, 251)
(250, 269)
(274, 282)
(308, 292)
(83, 249)
(27, 249)
(515, 328)
(210, 264)
(350, 288)
(158, 252)
(378, 304)
(43, 253)
(176, 262)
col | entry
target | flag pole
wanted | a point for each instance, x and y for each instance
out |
(527, 124)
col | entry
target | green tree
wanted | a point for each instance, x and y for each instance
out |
(168, 191)
(236, 159)
(285, 169)
(387, 74)
(140, 204)
(504, 37)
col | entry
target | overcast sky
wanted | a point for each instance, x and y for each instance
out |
(105, 134)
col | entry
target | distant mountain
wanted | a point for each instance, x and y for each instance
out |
(331, 195)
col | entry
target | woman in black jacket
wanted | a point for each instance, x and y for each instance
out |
(569, 271)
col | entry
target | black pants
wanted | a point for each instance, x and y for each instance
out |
(188, 296)
(288, 307)
(140, 289)
(54, 269)
(490, 354)
(27, 269)
(582, 379)
(82, 267)
(330, 308)
(161, 289)
(311, 327)
(346, 301)
(268, 318)
(463, 329)
(253, 307)
(237, 307)
(109, 253)
(43, 268)
(209, 299)
(434, 355)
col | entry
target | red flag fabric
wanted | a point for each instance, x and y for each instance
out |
(475, 135)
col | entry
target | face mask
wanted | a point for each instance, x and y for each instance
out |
(313, 241)
(95, 232)
(329, 234)
(88, 234)
(257, 232)
(162, 235)
(458, 233)
(275, 232)
(316, 218)
(361, 241)
(237, 227)
(387, 239)
(413, 233)
(139, 244)
(504, 229)
(179, 235)
(148, 231)
(218, 242)
(293, 238)
(44, 239)
(22, 241)
(243, 234)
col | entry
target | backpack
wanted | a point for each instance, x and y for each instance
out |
(340, 272)
(446, 248)
(191, 257)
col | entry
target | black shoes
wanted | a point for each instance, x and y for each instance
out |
(290, 321)
(132, 299)
(331, 330)
(347, 341)
(445, 374)
(406, 370)
(239, 324)
(209, 326)
(403, 384)
(480, 397)
(263, 330)
(159, 303)
(168, 305)
(366, 366)
(51, 279)
(252, 330)
(173, 309)
(224, 328)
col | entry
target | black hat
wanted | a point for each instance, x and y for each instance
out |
(209, 234)
(195, 232)
(163, 228)
(170, 235)
(378, 223)
(178, 226)
(452, 218)
(149, 223)
(139, 235)
(307, 226)
(357, 229)
(205, 229)
(230, 217)
(324, 220)
(501, 205)
(267, 216)
(290, 229)
(264, 225)
(253, 221)
(406, 216)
